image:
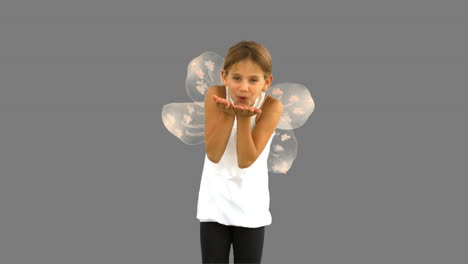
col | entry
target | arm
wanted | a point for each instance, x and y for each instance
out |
(218, 126)
(250, 144)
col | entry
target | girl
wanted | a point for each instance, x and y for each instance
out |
(240, 120)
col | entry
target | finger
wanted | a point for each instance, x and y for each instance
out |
(219, 99)
(221, 106)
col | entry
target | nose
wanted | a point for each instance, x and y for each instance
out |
(244, 87)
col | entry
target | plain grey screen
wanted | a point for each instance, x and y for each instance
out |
(89, 173)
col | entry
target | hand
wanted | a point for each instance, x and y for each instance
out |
(231, 109)
(246, 111)
(224, 105)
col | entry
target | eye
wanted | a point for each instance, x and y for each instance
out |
(238, 78)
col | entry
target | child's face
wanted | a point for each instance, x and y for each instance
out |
(245, 80)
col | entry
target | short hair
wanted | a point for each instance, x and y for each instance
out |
(249, 50)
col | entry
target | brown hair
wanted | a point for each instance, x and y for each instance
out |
(249, 50)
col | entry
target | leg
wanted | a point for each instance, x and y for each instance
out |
(248, 244)
(215, 239)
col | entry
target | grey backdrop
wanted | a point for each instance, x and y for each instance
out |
(89, 174)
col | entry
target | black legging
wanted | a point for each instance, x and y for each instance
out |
(216, 242)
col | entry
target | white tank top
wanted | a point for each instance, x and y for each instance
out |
(233, 196)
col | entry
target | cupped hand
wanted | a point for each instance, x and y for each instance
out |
(246, 111)
(224, 105)
(232, 109)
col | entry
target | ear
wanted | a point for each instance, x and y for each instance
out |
(223, 76)
(268, 82)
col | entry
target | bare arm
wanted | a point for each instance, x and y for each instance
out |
(250, 144)
(218, 127)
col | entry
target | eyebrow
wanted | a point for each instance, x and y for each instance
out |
(234, 73)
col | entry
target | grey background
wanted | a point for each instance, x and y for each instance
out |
(89, 174)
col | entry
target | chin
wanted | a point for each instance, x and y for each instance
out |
(244, 103)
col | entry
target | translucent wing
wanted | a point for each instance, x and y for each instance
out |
(203, 72)
(298, 105)
(283, 150)
(185, 121)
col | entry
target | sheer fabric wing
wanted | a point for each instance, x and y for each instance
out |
(297, 102)
(283, 151)
(185, 121)
(203, 72)
(298, 105)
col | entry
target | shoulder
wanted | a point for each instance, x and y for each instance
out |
(272, 104)
(272, 110)
(218, 90)
(210, 104)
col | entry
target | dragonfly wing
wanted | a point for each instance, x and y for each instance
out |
(185, 121)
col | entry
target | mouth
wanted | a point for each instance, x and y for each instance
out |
(242, 98)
